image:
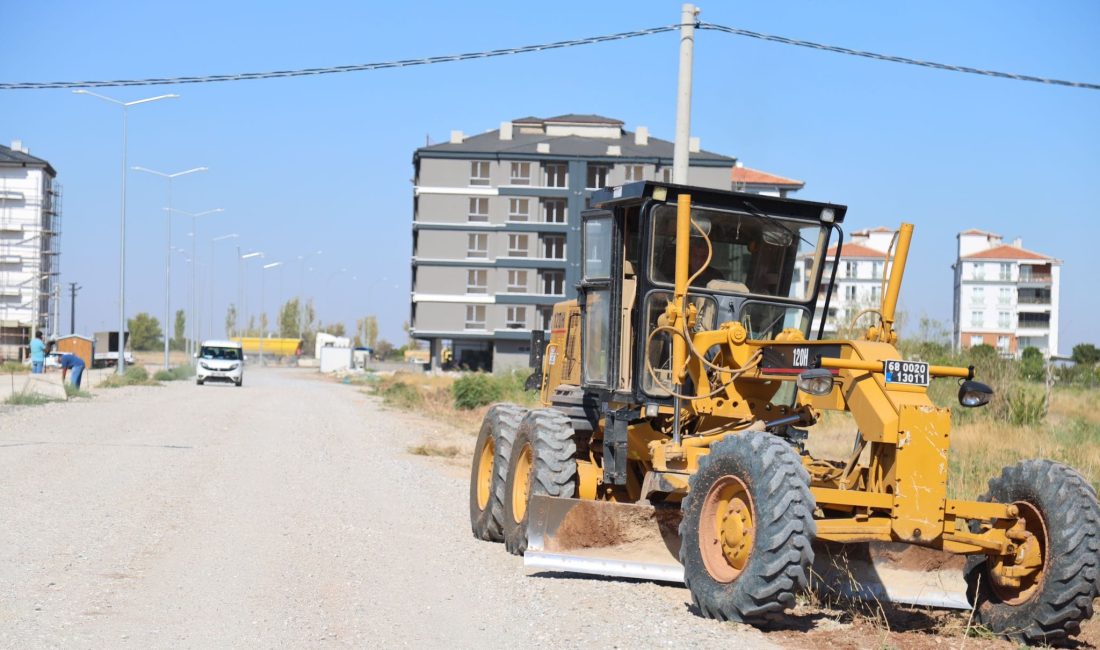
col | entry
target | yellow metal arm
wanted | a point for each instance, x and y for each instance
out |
(877, 366)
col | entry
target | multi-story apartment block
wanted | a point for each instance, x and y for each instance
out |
(1005, 296)
(30, 247)
(858, 280)
(496, 225)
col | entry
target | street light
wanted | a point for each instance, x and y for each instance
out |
(194, 234)
(122, 221)
(263, 314)
(242, 294)
(168, 251)
(211, 276)
(301, 288)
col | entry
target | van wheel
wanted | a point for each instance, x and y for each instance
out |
(199, 382)
(239, 382)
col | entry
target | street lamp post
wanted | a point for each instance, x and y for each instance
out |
(211, 276)
(242, 292)
(194, 235)
(122, 221)
(301, 288)
(263, 314)
(168, 249)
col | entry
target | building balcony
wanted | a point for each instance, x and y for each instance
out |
(1035, 279)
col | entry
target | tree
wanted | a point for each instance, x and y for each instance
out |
(289, 319)
(383, 349)
(1086, 354)
(251, 331)
(145, 332)
(181, 330)
(366, 331)
(336, 329)
(1032, 365)
(309, 331)
(263, 324)
(231, 321)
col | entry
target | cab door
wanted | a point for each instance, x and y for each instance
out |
(599, 299)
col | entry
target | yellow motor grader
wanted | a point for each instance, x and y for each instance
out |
(678, 391)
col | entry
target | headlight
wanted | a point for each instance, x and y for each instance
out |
(973, 393)
(204, 366)
(233, 366)
(818, 381)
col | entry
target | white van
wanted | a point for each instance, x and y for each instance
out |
(220, 361)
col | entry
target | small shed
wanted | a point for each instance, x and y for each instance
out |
(81, 346)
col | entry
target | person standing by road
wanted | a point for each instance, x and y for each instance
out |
(74, 363)
(38, 353)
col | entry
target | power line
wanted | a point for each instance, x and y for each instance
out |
(405, 63)
(895, 59)
(362, 67)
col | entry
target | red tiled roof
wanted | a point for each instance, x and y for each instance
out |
(867, 231)
(854, 250)
(975, 231)
(750, 176)
(1006, 253)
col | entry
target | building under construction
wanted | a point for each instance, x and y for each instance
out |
(30, 250)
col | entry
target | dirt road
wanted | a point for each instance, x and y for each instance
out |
(286, 513)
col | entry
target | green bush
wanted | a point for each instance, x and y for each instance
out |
(13, 366)
(476, 389)
(28, 399)
(135, 376)
(175, 374)
(401, 395)
(1025, 407)
(73, 391)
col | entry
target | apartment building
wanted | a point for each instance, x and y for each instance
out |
(496, 225)
(746, 179)
(1005, 295)
(858, 283)
(30, 247)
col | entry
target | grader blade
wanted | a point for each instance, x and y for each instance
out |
(626, 540)
(603, 538)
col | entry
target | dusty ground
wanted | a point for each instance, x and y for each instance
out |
(289, 513)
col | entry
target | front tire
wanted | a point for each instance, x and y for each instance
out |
(543, 460)
(747, 530)
(198, 381)
(1059, 510)
(497, 429)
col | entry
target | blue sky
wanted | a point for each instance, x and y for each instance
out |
(325, 162)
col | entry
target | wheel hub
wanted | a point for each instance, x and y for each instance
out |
(485, 473)
(1017, 576)
(521, 484)
(726, 529)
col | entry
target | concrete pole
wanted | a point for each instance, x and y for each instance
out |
(688, 16)
(122, 257)
(168, 276)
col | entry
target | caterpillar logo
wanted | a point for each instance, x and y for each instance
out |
(800, 357)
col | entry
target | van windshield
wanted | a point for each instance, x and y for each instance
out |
(226, 354)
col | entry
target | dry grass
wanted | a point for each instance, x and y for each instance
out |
(430, 449)
(980, 447)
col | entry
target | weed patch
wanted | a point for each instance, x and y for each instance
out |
(434, 450)
(135, 376)
(13, 366)
(28, 399)
(73, 391)
(175, 374)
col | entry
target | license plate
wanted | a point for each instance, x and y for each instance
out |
(909, 373)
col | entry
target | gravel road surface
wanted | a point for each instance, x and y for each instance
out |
(283, 514)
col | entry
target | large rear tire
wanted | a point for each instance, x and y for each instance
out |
(497, 429)
(542, 460)
(747, 530)
(1062, 520)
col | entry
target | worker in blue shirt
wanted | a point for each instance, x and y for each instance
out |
(38, 353)
(74, 363)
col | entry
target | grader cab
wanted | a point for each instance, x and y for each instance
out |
(678, 391)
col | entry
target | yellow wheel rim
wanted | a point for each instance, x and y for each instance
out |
(485, 473)
(727, 529)
(1015, 578)
(521, 484)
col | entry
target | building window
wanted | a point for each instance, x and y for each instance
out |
(876, 295)
(977, 339)
(851, 269)
(516, 318)
(977, 271)
(977, 295)
(1002, 344)
(850, 293)
(477, 281)
(517, 281)
(519, 209)
(634, 173)
(475, 317)
(545, 314)
(977, 318)
(597, 176)
(1005, 274)
(554, 210)
(479, 209)
(877, 270)
(556, 174)
(1004, 319)
(517, 245)
(479, 172)
(1005, 297)
(477, 245)
(521, 173)
(553, 247)
(666, 175)
(553, 283)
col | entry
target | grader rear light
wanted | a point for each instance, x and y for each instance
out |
(817, 381)
(973, 393)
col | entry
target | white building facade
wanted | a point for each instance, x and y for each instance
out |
(1005, 295)
(30, 248)
(859, 280)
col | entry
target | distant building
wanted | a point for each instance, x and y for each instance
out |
(858, 280)
(496, 225)
(1005, 296)
(30, 248)
(745, 179)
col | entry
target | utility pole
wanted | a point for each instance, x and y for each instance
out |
(689, 14)
(73, 288)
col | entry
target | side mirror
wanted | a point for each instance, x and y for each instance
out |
(973, 394)
(196, 355)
